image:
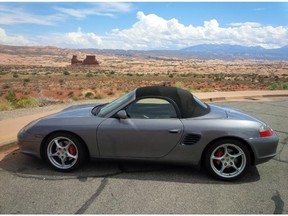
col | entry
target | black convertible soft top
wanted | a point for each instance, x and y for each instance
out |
(187, 104)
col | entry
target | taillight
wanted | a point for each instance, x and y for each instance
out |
(265, 131)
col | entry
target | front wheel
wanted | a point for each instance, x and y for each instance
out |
(227, 160)
(64, 152)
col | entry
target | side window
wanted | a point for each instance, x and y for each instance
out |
(151, 108)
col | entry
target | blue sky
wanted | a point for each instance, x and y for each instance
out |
(143, 25)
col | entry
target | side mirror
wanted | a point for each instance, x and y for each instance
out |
(122, 114)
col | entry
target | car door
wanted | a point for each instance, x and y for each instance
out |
(151, 130)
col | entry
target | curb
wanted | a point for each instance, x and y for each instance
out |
(7, 146)
(214, 99)
(252, 97)
(276, 95)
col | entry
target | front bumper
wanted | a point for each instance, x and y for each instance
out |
(29, 144)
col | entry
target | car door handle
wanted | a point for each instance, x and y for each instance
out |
(174, 131)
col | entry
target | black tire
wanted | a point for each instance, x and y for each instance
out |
(64, 152)
(227, 160)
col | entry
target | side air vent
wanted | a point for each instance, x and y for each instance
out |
(191, 139)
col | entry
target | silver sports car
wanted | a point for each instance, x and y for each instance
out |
(156, 123)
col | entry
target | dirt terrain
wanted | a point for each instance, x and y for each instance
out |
(46, 75)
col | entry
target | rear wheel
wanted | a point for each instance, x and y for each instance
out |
(227, 160)
(64, 152)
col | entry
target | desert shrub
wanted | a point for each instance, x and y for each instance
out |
(279, 86)
(11, 97)
(15, 75)
(89, 75)
(110, 93)
(5, 105)
(14, 102)
(66, 73)
(70, 94)
(26, 103)
(218, 77)
(74, 98)
(6, 86)
(25, 81)
(99, 96)
(44, 101)
(206, 90)
(179, 85)
(89, 94)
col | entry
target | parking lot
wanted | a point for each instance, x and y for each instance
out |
(29, 186)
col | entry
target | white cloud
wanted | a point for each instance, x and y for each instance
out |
(76, 39)
(19, 16)
(248, 24)
(13, 40)
(82, 13)
(97, 9)
(154, 32)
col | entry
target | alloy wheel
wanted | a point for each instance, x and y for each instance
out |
(228, 160)
(62, 152)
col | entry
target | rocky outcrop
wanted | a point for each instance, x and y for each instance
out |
(89, 60)
(74, 60)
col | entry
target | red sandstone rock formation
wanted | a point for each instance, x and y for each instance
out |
(74, 60)
(89, 60)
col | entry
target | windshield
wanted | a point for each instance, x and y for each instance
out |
(115, 104)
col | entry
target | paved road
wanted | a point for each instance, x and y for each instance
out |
(29, 186)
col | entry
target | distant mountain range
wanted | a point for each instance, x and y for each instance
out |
(205, 51)
(224, 51)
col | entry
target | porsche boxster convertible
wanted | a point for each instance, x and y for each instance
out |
(156, 123)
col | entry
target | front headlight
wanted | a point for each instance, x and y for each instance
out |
(26, 128)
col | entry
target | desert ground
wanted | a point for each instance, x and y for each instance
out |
(43, 76)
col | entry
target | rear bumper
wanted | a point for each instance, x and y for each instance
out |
(264, 148)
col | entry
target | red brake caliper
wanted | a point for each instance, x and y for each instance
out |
(72, 150)
(219, 153)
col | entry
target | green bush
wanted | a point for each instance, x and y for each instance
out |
(89, 95)
(279, 86)
(11, 97)
(26, 103)
(99, 96)
(66, 73)
(19, 103)
(89, 75)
